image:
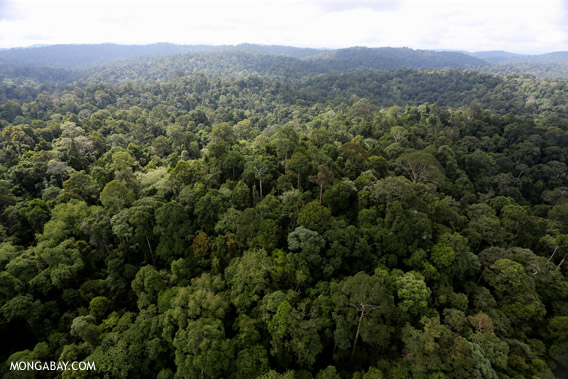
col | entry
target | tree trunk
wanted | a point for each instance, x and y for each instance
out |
(561, 262)
(358, 328)
(481, 275)
(554, 252)
(150, 249)
(106, 247)
(321, 191)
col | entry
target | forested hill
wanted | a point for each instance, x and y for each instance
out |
(223, 63)
(75, 56)
(498, 56)
(111, 62)
(10, 73)
(501, 57)
(551, 65)
(388, 58)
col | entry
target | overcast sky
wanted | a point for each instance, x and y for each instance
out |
(530, 26)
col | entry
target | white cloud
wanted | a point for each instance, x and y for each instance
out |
(514, 25)
(523, 26)
(9, 10)
(341, 5)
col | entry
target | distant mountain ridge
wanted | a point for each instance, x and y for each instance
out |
(496, 56)
(552, 65)
(271, 61)
(390, 58)
(125, 62)
(289, 51)
(74, 56)
(503, 57)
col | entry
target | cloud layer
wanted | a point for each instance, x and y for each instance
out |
(342, 5)
(8, 10)
(514, 25)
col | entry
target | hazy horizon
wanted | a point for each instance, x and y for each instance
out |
(525, 27)
(263, 44)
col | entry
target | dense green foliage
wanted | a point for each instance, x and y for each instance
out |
(269, 224)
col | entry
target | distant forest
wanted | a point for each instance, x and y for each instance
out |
(84, 60)
(276, 212)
